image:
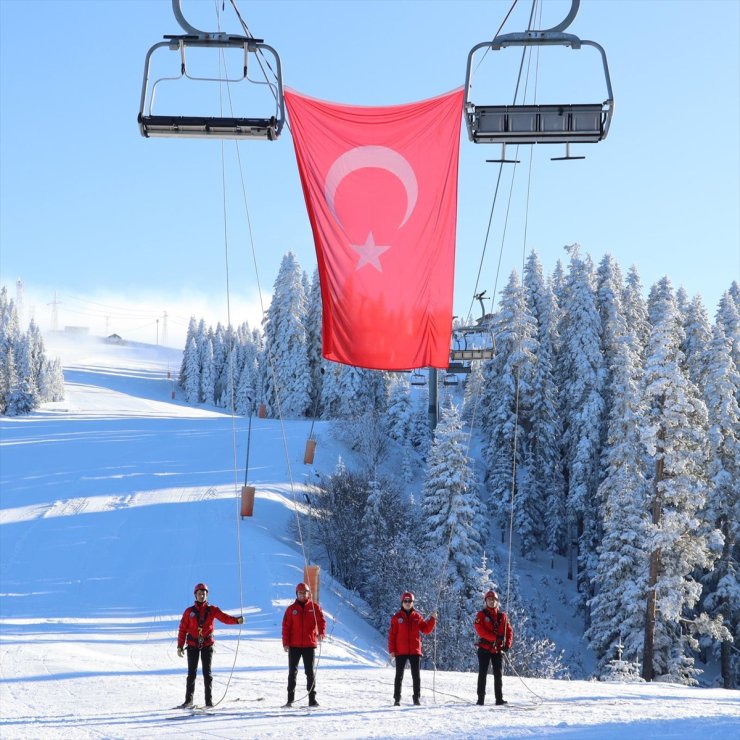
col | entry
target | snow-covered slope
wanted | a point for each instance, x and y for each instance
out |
(120, 498)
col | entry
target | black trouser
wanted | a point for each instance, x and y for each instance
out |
(497, 659)
(294, 658)
(206, 655)
(415, 675)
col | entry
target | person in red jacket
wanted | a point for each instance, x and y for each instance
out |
(303, 626)
(196, 632)
(404, 643)
(494, 638)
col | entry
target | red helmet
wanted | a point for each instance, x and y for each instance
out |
(491, 594)
(200, 587)
(302, 587)
(407, 595)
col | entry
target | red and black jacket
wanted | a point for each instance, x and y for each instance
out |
(196, 625)
(494, 630)
(404, 635)
(303, 624)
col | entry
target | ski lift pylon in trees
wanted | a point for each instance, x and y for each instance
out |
(539, 124)
(234, 127)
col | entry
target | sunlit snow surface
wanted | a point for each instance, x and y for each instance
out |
(118, 499)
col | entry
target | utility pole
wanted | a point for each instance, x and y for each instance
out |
(164, 328)
(54, 314)
(19, 301)
(157, 332)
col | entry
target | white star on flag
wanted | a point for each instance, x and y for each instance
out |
(369, 253)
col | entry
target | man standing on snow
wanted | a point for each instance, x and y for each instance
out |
(404, 643)
(494, 639)
(196, 629)
(303, 626)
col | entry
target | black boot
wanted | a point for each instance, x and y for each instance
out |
(187, 703)
(481, 701)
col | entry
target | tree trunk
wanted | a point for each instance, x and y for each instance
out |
(649, 645)
(724, 656)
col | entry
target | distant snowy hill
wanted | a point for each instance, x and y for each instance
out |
(115, 501)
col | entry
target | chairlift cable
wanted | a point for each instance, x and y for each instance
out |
(273, 373)
(500, 28)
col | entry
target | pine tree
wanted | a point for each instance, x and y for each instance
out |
(673, 432)
(582, 375)
(543, 441)
(192, 334)
(313, 343)
(697, 334)
(721, 596)
(454, 533)
(287, 379)
(191, 373)
(508, 394)
(207, 371)
(728, 316)
(620, 579)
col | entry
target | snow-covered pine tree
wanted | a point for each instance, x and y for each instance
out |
(398, 422)
(620, 580)
(471, 411)
(582, 375)
(247, 388)
(543, 441)
(697, 334)
(207, 370)
(191, 371)
(182, 380)
(728, 315)
(313, 343)
(454, 532)
(721, 596)
(337, 507)
(287, 380)
(674, 432)
(635, 311)
(508, 391)
(386, 527)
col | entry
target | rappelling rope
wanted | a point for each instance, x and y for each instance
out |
(446, 560)
(271, 361)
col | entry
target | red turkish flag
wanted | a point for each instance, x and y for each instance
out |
(381, 192)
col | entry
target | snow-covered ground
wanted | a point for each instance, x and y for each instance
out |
(117, 500)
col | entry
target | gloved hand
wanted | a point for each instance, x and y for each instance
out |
(240, 620)
(286, 648)
(180, 652)
(434, 614)
(504, 649)
(393, 655)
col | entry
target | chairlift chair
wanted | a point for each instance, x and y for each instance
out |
(418, 378)
(450, 379)
(222, 127)
(565, 123)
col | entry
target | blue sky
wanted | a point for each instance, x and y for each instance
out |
(124, 228)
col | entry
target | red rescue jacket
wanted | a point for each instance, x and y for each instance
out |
(196, 625)
(404, 635)
(303, 624)
(494, 630)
